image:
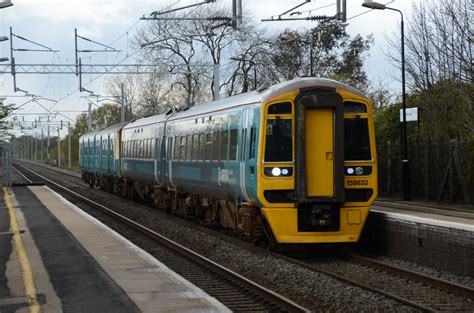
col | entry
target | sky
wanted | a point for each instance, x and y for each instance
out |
(114, 22)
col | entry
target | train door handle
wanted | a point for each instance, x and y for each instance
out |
(329, 156)
(252, 170)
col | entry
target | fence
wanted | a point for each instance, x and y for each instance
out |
(438, 172)
(5, 165)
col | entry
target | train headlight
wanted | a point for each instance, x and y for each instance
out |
(350, 171)
(276, 171)
(359, 170)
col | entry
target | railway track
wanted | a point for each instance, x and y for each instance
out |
(238, 293)
(413, 289)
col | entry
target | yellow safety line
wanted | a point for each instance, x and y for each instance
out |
(28, 279)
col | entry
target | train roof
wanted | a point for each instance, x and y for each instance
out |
(264, 95)
(87, 135)
(106, 130)
(149, 120)
(111, 129)
(252, 97)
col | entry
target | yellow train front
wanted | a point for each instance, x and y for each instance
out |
(317, 163)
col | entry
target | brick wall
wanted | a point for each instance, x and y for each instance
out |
(442, 248)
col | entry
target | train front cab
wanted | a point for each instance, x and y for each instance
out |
(318, 173)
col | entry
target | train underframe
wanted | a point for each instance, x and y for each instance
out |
(243, 218)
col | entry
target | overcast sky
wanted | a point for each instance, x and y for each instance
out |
(113, 22)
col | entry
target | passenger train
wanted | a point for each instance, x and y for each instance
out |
(289, 163)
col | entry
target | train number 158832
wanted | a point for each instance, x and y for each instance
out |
(362, 182)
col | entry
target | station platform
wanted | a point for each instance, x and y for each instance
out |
(56, 258)
(437, 236)
(461, 218)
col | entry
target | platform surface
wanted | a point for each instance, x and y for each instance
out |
(80, 265)
(434, 216)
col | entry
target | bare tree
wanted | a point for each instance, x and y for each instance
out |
(439, 43)
(132, 92)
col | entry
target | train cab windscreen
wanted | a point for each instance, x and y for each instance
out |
(279, 142)
(356, 139)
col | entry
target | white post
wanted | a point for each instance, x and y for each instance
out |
(59, 149)
(42, 139)
(122, 104)
(69, 142)
(217, 83)
(89, 120)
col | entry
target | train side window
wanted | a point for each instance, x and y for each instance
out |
(189, 147)
(182, 147)
(253, 139)
(144, 148)
(148, 152)
(195, 153)
(224, 145)
(170, 147)
(215, 145)
(233, 145)
(176, 148)
(208, 147)
(202, 143)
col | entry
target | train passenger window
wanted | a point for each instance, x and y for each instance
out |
(280, 108)
(149, 148)
(189, 147)
(182, 148)
(354, 107)
(224, 145)
(356, 139)
(202, 140)
(208, 147)
(233, 145)
(215, 145)
(176, 147)
(151, 145)
(253, 137)
(170, 147)
(279, 141)
(195, 153)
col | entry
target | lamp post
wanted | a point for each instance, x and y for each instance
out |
(404, 142)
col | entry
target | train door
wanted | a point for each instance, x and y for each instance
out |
(251, 153)
(320, 150)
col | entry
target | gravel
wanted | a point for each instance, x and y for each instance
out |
(312, 290)
(459, 279)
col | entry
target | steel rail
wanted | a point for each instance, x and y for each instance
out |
(282, 302)
(418, 277)
(441, 284)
